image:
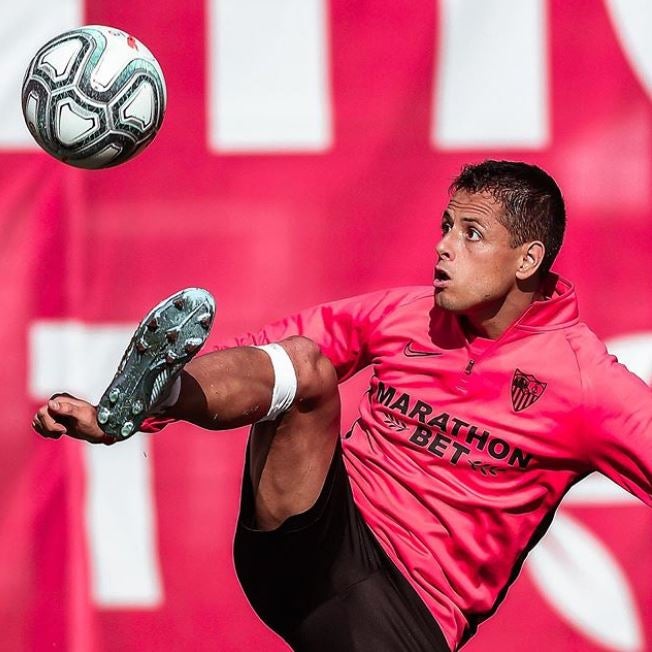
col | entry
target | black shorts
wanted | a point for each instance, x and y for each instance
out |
(323, 583)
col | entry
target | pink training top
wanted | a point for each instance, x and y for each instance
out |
(463, 450)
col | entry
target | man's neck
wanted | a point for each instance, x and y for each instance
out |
(492, 321)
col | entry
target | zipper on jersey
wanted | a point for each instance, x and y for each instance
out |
(464, 379)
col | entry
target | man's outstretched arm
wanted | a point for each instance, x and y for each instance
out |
(220, 390)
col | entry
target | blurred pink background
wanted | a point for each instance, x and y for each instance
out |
(305, 156)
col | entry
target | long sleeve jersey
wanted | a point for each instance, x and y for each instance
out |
(464, 449)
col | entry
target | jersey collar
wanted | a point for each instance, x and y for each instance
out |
(559, 310)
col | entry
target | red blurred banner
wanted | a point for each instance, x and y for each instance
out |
(131, 550)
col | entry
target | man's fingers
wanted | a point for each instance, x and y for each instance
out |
(45, 425)
(61, 407)
(70, 408)
(68, 398)
(47, 421)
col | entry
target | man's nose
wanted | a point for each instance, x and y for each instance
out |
(444, 247)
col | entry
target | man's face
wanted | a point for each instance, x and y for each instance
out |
(476, 265)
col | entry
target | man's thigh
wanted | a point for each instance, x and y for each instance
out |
(290, 456)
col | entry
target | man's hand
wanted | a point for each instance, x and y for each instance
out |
(66, 415)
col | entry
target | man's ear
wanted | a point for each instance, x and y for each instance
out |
(532, 254)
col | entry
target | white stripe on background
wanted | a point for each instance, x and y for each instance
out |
(24, 27)
(598, 491)
(585, 584)
(491, 84)
(268, 69)
(632, 20)
(120, 507)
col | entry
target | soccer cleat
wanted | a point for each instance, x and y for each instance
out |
(165, 340)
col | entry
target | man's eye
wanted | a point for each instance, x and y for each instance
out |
(445, 227)
(473, 234)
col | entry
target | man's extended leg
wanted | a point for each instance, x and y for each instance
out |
(226, 389)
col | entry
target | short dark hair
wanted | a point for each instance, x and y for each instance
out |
(534, 207)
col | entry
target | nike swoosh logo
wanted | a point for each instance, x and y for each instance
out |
(411, 352)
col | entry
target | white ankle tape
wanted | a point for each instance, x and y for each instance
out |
(285, 381)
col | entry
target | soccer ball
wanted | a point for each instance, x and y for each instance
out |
(93, 97)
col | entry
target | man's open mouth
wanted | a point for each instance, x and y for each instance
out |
(441, 279)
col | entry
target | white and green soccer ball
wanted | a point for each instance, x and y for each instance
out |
(93, 97)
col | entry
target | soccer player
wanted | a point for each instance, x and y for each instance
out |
(488, 400)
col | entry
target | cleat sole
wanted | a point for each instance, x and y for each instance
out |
(166, 340)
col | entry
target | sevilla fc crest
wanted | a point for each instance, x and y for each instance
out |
(526, 390)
